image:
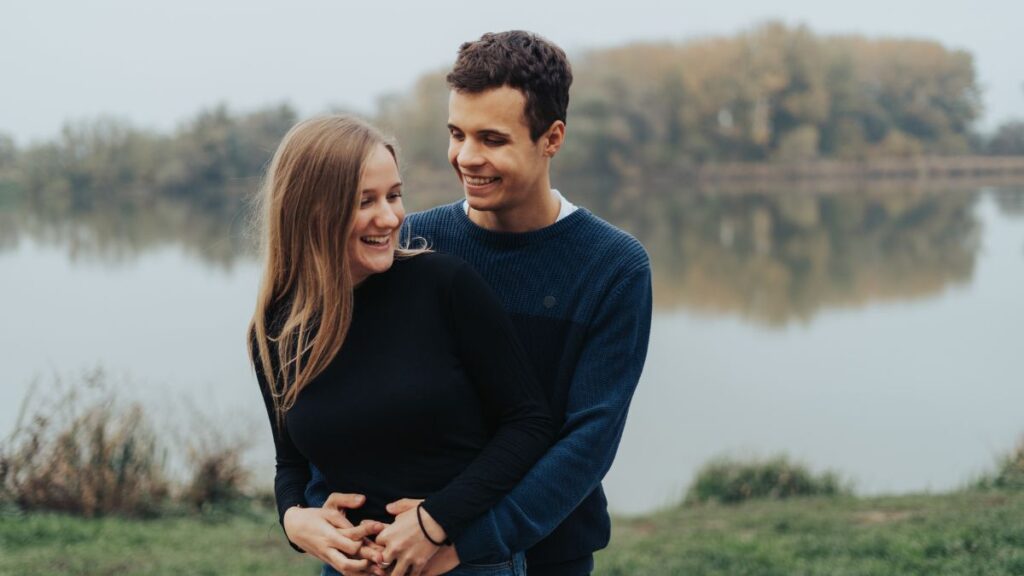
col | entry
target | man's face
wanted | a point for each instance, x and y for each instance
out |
(489, 146)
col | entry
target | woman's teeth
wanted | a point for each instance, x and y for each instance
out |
(376, 240)
(477, 181)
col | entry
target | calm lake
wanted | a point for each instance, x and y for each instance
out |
(878, 334)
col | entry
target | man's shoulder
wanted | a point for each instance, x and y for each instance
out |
(432, 216)
(604, 241)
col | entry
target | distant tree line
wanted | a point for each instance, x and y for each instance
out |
(215, 157)
(774, 93)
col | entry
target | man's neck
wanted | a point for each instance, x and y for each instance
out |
(526, 217)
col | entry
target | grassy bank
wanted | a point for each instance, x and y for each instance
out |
(84, 490)
(980, 532)
(960, 533)
(243, 542)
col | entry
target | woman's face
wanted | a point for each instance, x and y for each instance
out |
(371, 247)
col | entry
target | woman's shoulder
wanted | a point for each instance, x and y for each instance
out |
(431, 267)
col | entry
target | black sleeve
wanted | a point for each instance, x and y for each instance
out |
(292, 468)
(499, 368)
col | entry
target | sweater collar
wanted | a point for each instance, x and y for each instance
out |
(514, 239)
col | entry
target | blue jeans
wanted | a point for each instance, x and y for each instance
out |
(513, 567)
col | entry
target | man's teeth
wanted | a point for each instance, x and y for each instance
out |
(376, 239)
(477, 181)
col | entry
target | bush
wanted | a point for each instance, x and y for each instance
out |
(83, 453)
(1009, 473)
(218, 475)
(730, 481)
(80, 450)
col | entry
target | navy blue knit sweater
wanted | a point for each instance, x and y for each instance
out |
(579, 295)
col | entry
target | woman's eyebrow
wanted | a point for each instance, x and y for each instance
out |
(372, 190)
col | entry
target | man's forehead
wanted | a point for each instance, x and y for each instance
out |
(500, 109)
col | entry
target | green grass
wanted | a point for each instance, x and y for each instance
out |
(242, 543)
(963, 533)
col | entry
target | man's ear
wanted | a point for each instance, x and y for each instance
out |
(553, 138)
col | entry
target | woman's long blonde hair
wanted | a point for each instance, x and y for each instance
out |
(305, 212)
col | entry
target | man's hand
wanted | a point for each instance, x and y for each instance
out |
(406, 548)
(330, 537)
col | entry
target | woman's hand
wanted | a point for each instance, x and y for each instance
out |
(341, 502)
(328, 535)
(406, 549)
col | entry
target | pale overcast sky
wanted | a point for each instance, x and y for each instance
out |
(157, 63)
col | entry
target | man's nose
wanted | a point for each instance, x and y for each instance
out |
(469, 154)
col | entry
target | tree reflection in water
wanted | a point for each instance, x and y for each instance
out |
(773, 258)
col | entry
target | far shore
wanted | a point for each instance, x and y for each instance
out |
(849, 175)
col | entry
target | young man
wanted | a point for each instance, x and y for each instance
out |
(578, 291)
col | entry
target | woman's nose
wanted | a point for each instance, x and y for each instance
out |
(387, 217)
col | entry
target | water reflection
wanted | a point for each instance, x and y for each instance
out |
(117, 234)
(1010, 201)
(770, 258)
(776, 259)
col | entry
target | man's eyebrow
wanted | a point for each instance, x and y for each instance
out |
(493, 132)
(483, 132)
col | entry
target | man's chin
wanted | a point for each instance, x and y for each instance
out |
(481, 204)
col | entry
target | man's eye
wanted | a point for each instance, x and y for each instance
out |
(493, 142)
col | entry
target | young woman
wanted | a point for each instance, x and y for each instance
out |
(394, 371)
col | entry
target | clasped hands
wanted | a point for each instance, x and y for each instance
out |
(372, 548)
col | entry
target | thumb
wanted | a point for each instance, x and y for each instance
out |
(398, 506)
(337, 518)
(342, 500)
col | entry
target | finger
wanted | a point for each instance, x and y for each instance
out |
(348, 547)
(402, 567)
(371, 553)
(345, 565)
(341, 500)
(398, 506)
(372, 545)
(364, 530)
(337, 518)
(383, 537)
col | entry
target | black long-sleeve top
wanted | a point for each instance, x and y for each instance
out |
(431, 396)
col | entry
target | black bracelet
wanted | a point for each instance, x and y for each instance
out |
(419, 516)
